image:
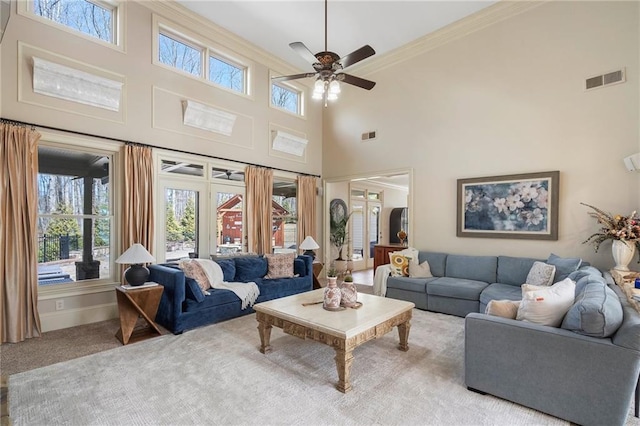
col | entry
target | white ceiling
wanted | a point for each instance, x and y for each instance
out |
(384, 25)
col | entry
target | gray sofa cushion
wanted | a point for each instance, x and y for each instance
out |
(436, 262)
(514, 270)
(499, 291)
(418, 285)
(457, 288)
(596, 310)
(477, 268)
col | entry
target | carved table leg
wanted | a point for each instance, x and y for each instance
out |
(265, 337)
(344, 359)
(403, 332)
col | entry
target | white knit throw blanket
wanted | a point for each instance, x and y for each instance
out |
(247, 292)
(380, 280)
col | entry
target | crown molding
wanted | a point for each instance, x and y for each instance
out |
(484, 18)
(170, 9)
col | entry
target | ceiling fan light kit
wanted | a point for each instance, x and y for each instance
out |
(329, 68)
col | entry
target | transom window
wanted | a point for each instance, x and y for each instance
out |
(187, 52)
(227, 74)
(179, 54)
(286, 98)
(94, 18)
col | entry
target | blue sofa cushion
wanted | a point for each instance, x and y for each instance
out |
(564, 266)
(228, 267)
(250, 268)
(192, 290)
(418, 285)
(513, 270)
(475, 268)
(280, 287)
(584, 271)
(436, 262)
(596, 310)
(457, 288)
(499, 291)
(216, 297)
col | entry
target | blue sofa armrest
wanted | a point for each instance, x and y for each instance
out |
(582, 379)
(173, 297)
(307, 269)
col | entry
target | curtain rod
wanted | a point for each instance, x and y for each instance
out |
(33, 125)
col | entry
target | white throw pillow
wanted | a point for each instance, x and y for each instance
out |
(546, 305)
(419, 270)
(541, 274)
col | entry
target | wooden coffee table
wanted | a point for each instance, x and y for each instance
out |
(342, 330)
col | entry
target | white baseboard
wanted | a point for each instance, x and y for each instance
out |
(73, 317)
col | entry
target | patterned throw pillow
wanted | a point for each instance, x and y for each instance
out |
(399, 265)
(541, 274)
(280, 265)
(194, 270)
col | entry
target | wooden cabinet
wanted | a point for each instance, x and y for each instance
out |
(381, 253)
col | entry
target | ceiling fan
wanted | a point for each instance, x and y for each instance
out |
(329, 68)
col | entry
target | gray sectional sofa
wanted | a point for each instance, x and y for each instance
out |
(585, 372)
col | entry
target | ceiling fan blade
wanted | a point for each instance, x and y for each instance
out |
(356, 81)
(293, 77)
(303, 51)
(357, 55)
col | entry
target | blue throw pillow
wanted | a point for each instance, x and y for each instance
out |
(228, 267)
(564, 266)
(248, 268)
(192, 290)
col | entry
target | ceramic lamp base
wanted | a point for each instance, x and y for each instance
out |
(136, 275)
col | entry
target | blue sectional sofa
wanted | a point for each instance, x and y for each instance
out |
(184, 306)
(585, 371)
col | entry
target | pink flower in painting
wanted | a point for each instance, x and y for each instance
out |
(513, 202)
(543, 198)
(500, 204)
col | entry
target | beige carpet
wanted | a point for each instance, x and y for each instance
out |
(216, 375)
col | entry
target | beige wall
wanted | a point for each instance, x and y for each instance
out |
(150, 110)
(506, 99)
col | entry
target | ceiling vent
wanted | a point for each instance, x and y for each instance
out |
(367, 136)
(613, 77)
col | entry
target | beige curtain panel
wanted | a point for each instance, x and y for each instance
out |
(19, 318)
(137, 203)
(259, 187)
(306, 208)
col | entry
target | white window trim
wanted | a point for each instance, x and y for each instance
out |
(289, 86)
(119, 23)
(209, 48)
(100, 147)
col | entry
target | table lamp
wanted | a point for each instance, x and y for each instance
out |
(135, 256)
(309, 245)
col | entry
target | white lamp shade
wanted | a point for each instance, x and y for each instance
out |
(136, 254)
(309, 244)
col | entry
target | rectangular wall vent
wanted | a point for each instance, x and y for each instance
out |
(366, 136)
(613, 77)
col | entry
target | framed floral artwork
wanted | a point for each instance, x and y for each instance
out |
(521, 206)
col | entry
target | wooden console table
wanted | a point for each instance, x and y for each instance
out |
(381, 253)
(134, 303)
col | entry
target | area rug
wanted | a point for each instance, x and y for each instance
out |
(216, 375)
